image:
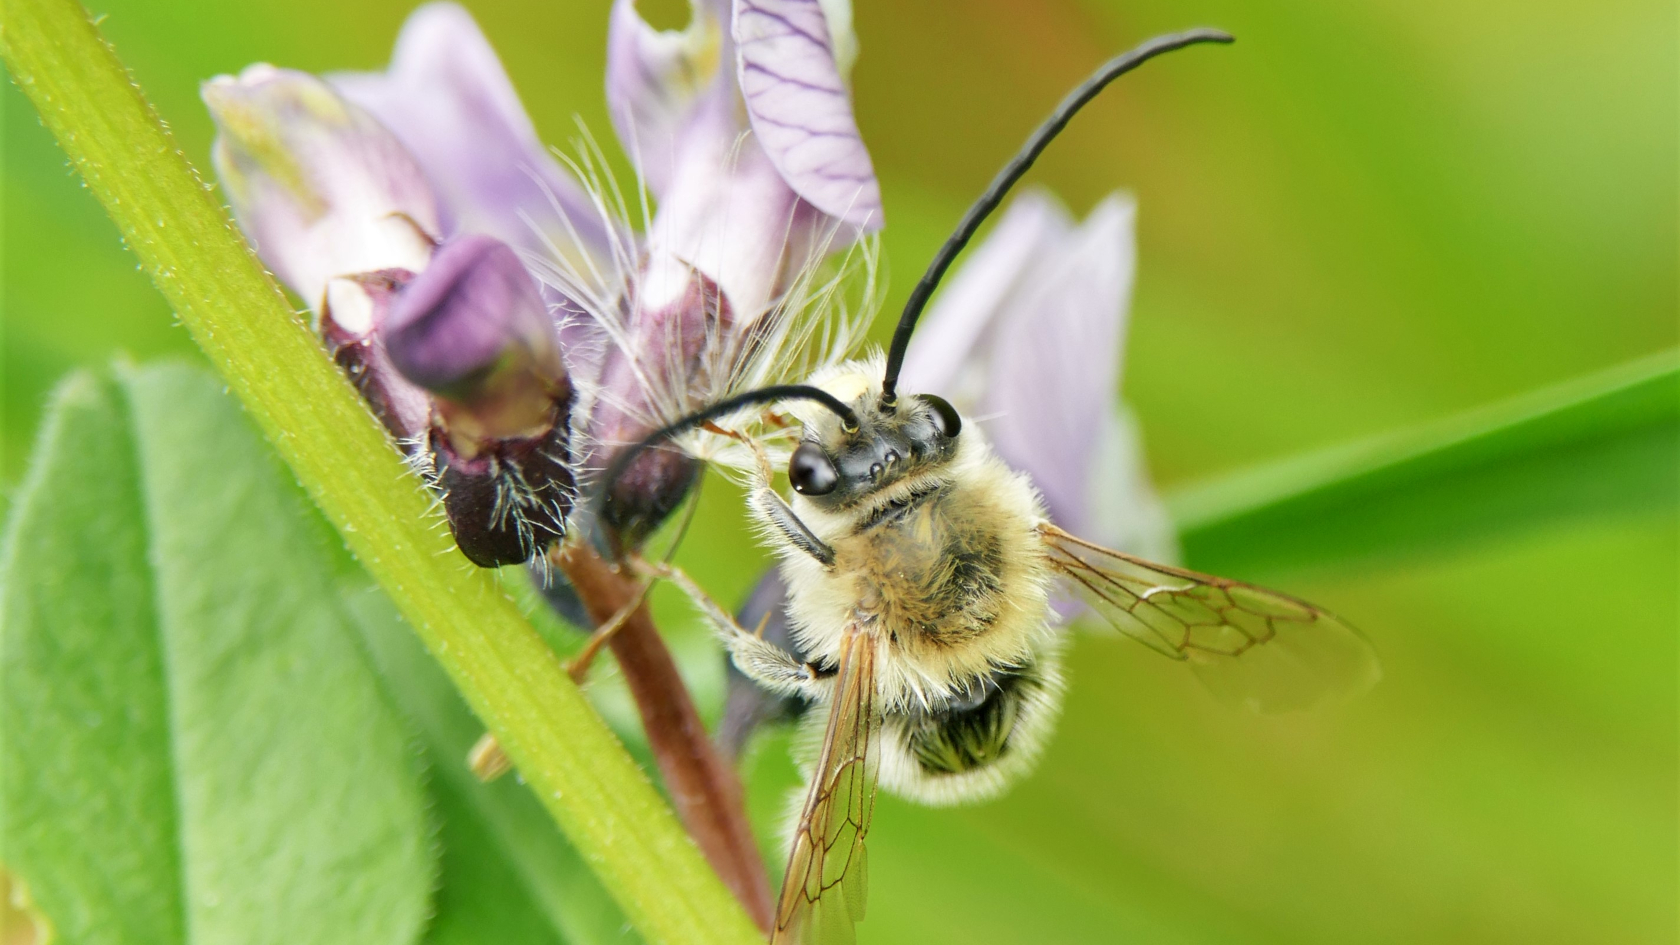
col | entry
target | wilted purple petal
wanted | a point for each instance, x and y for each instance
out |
(801, 110)
(472, 330)
(355, 306)
(320, 187)
(946, 356)
(655, 77)
(462, 315)
(447, 97)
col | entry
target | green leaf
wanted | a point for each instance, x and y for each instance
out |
(316, 422)
(1604, 444)
(197, 749)
(86, 790)
(508, 874)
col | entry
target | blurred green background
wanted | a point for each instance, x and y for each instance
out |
(1364, 215)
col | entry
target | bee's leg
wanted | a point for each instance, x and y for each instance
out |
(766, 663)
(777, 670)
(486, 758)
(767, 505)
(578, 666)
(772, 509)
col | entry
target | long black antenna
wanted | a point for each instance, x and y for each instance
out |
(1006, 179)
(695, 420)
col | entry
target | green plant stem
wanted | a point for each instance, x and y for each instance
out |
(320, 427)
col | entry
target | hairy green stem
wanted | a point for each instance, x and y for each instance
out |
(321, 428)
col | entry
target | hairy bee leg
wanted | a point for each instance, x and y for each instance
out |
(772, 509)
(777, 670)
(578, 666)
(766, 663)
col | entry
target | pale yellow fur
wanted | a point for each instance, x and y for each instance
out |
(823, 602)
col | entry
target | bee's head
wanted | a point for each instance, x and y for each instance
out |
(839, 463)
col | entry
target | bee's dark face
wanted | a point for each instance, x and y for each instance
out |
(838, 468)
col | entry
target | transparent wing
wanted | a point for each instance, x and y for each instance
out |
(1252, 647)
(827, 874)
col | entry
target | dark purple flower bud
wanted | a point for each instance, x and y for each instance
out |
(646, 494)
(511, 500)
(472, 330)
(674, 336)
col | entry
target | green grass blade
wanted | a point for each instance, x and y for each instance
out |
(272, 362)
(1608, 443)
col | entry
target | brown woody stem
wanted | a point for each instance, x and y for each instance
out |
(704, 788)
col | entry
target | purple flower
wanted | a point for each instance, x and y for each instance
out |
(745, 136)
(448, 100)
(472, 330)
(467, 281)
(321, 188)
(741, 127)
(450, 342)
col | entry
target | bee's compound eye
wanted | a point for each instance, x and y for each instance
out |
(944, 415)
(810, 471)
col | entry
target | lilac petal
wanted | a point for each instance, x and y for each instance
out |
(947, 355)
(655, 79)
(801, 110)
(1055, 363)
(1123, 510)
(447, 97)
(729, 214)
(462, 315)
(473, 330)
(319, 186)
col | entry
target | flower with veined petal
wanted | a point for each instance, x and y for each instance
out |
(745, 137)
(354, 188)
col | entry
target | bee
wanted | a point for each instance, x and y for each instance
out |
(920, 572)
